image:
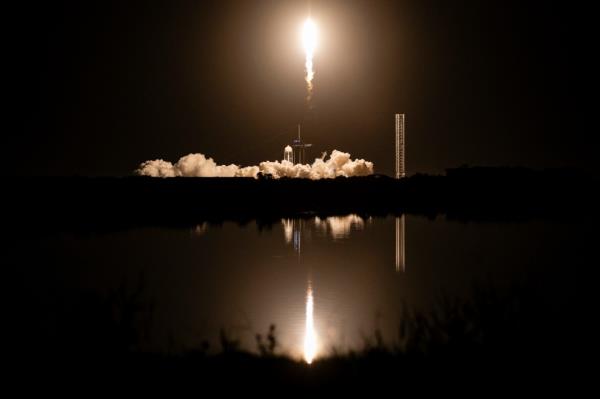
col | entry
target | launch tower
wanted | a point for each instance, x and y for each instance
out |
(400, 157)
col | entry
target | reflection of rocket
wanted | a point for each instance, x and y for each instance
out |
(292, 230)
(297, 223)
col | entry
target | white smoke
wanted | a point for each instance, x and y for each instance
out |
(198, 165)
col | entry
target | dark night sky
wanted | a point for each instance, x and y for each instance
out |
(103, 86)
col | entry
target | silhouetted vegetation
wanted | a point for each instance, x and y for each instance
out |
(489, 334)
(267, 348)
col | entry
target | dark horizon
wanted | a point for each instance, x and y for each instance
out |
(104, 86)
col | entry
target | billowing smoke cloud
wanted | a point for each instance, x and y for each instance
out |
(198, 165)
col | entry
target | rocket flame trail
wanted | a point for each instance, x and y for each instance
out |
(309, 39)
(310, 337)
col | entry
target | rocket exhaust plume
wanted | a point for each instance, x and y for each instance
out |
(309, 40)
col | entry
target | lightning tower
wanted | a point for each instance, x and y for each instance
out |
(400, 173)
(400, 157)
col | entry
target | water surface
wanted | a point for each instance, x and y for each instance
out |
(352, 273)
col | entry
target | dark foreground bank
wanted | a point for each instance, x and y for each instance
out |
(492, 339)
(476, 194)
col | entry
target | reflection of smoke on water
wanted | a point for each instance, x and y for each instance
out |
(340, 226)
(288, 229)
(200, 229)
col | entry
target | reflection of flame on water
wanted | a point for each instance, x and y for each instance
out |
(310, 336)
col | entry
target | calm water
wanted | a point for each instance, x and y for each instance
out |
(355, 272)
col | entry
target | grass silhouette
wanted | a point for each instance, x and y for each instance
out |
(482, 335)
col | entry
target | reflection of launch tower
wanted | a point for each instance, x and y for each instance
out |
(299, 149)
(400, 259)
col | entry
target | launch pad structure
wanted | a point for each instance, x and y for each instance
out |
(299, 148)
(296, 153)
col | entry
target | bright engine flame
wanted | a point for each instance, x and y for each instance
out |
(309, 40)
(310, 337)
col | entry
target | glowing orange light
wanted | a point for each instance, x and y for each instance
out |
(310, 336)
(309, 40)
